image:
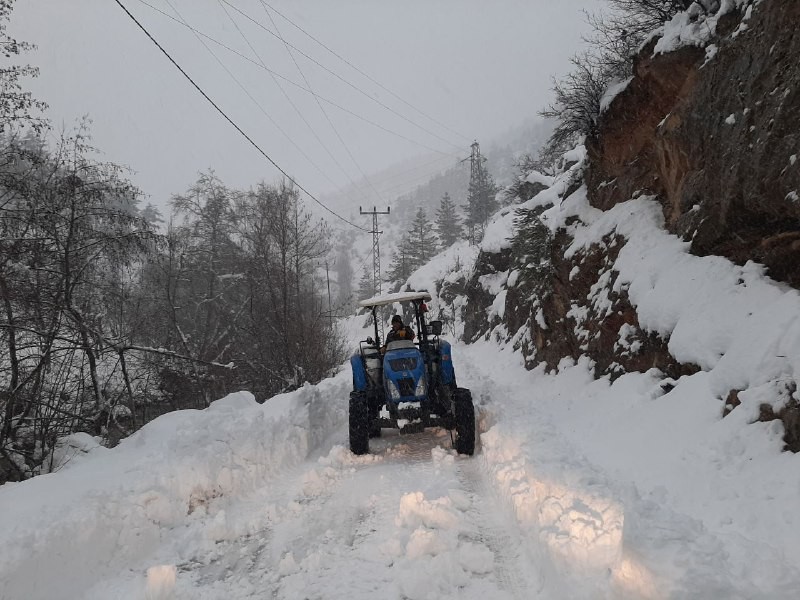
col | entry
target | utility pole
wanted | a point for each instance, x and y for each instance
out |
(376, 249)
(330, 306)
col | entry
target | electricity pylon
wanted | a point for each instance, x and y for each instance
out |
(376, 248)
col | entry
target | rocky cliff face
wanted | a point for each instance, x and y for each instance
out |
(714, 133)
(559, 305)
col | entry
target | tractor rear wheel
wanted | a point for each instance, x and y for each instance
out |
(465, 422)
(359, 423)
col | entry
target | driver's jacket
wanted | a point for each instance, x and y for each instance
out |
(404, 333)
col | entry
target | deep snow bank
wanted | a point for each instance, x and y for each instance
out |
(111, 507)
(649, 486)
(625, 491)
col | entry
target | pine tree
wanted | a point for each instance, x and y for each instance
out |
(448, 223)
(366, 285)
(402, 263)
(481, 203)
(151, 215)
(422, 239)
(531, 247)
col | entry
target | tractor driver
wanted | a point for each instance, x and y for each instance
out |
(399, 331)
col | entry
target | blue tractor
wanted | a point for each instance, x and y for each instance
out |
(407, 385)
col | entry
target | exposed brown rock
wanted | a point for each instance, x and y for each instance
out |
(598, 334)
(731, 402)
(714, 141)
(478, 299)
(789, 415)
(566, 294)
(623, 157)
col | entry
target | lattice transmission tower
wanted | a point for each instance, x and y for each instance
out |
(376, 246)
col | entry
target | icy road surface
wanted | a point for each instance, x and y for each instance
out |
(411, 520)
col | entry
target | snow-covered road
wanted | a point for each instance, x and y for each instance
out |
(194, 507)
(561, 500)
(410, 520)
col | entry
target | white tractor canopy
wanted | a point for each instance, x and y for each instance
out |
(385, 299)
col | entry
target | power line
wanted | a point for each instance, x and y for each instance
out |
(289, 100)
(249, 95)
(397, 187)
(227, 118)
(382, 185)
(299, 86)
(326, 69)
(324, 112)
(398, 178)
(380, 85)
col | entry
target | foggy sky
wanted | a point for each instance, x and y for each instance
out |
(479, 67)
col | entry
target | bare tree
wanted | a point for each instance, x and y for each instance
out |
(617, 36)
(69, 231)
(576, 107)
(18, 107)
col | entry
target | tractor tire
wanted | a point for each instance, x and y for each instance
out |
(359, 423)
(444, 406)
(465, 422)
(374, 414)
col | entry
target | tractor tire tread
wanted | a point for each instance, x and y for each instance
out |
(359, 423)
(464, 422)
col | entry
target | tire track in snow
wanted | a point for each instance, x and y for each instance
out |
(312, 512)
(498, 532)
(220, 563)
(330, 520)
(490, 524)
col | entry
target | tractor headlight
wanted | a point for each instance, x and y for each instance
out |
(420, 391)
(393, 391)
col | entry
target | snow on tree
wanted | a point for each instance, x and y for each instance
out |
(17, 106)
(422, 239)
(481, 202)
(402, 264)
(70, 238)
(448, 223)
(366, 285)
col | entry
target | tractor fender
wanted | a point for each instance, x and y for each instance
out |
(447, 373)
(359, 373)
